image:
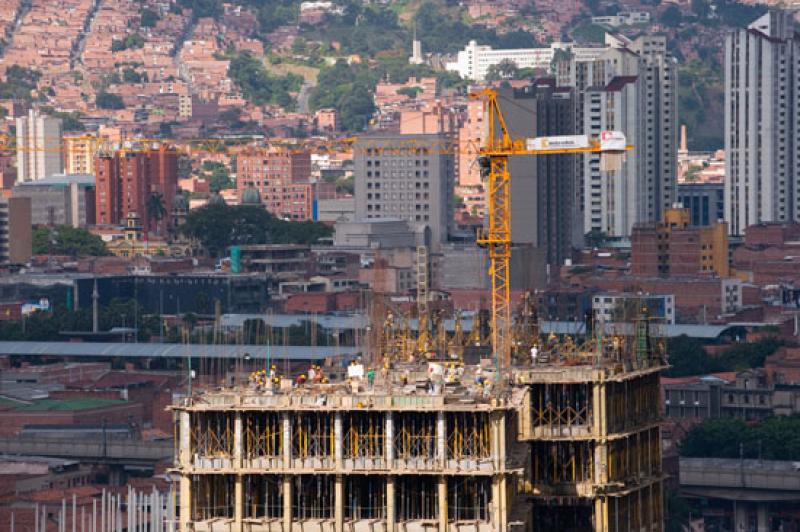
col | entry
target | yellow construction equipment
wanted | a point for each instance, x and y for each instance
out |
(493, 161)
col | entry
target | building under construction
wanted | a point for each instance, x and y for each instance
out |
(565, 440)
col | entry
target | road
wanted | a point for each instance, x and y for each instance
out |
(302, 98)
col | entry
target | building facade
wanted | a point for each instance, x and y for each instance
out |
(79, 153)
(38, 147)
(542, 191)
(409, 177)
(16, 238)
(282, 178)
(675, 248)
(762, 122)
(60, 200)
(474, 61)
(629, 87)
(705, 201)
(128, 179)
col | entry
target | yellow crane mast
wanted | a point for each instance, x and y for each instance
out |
(493, 162)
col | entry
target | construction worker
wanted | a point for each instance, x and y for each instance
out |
(301, 379)
(371, 377)
(312, 373)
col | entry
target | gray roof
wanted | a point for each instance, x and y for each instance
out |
(148, 350)
(341, 322)
(662, 330)
(62, 179)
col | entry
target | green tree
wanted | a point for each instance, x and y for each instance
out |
(505, 69)
(149, 18)
(260, 87)
(129, 75)
(672, 17)
(594, 238)
(744, 356)
(67, 240)
(217, 176)
(217, 227)
(19, 83)
(701, 8)
(156, 209)
(131, 41)
(203, 8)
(107, 100)
(738, 15)
(773, 438)
(356, 108)
(687, 356)
(411, 92)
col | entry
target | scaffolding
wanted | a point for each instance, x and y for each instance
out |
(212, 435)
(365, 498)
(263, 433)
(312, 497)
(212, 497)
(417, 498)
(263, 497)
(468, 435)
(364, 435)
(415, 437)
(570, 444)
(312, 435)
(468, 499)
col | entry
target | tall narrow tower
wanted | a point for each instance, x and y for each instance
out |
(416, 50)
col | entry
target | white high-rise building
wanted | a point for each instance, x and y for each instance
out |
(631, 87)
(39, 152)
(762, 122)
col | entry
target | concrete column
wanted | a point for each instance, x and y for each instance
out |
(389, 451)
(763, 520)
(338, 440)
(600, 463)
(740, 516)
(390, 511)
(287, 503)
(503, 504)
(495, 440)
(338, 511)
(441, 438)
(442, 504)
(186, 502)
(287, 440)
(600, 514)
(496, 520)
(238, 504)
(501, 433)
(238, 440)
(185, 439)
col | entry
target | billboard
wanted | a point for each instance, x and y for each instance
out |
(563, 142)
(612, 141)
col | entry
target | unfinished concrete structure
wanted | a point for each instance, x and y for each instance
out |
(322, 461)
(567, 442)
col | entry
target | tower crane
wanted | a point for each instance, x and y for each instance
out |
(493, 161)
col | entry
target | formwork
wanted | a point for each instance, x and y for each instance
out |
(332, 462)
(567, 441)
(594, 444)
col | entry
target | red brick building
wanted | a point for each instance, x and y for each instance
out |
(673, 248)
(282, 178)
(273, 166)
(127, 178)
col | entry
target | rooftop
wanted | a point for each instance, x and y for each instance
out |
(157, 350)
(50, 405)
(61, 179)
